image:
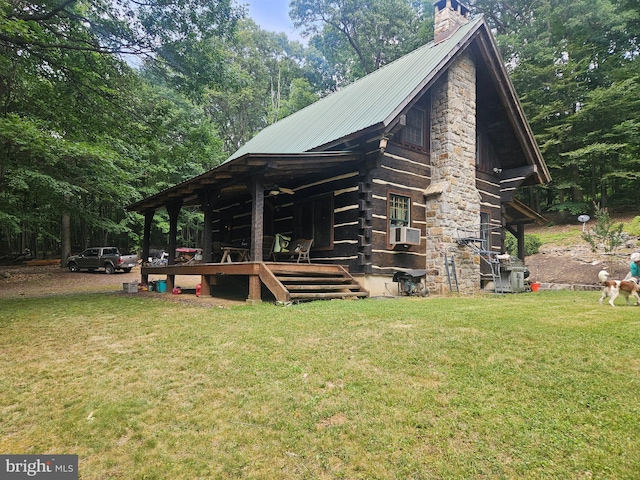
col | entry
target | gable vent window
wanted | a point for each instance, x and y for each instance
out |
(414, 130)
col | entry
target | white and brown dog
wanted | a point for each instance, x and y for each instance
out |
(613, 288)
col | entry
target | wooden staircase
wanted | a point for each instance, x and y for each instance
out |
(294, 282)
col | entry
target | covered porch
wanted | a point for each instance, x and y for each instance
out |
(252, 177)
(248, 186)
(285, 281)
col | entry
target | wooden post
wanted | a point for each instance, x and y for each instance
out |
(257, 217)
(146, 240)
(365, 216)
(520, 237)
(517, 230)
(255, 287)
(173, 210)
(207, 206)
(257, 234)
(205, 286)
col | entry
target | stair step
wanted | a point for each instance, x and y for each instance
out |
(289, 271)
(321, 287)
(310, 295)
(298, 279)
(299, 282)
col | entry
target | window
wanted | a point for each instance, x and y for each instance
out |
(485, 230)
(314, 220)
(414, 130)
(399, 210)
(486, 158)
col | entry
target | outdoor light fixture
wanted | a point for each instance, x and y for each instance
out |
(383, 143)
(497, 170)
(278, 190)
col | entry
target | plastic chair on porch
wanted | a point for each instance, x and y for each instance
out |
(280, 247)
(303, 249)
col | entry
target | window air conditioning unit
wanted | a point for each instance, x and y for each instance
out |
(405, 236)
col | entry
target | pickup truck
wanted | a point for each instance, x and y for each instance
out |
(108, 258)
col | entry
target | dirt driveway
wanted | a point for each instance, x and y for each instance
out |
(43, 281)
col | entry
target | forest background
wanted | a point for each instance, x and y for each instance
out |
(104, 102)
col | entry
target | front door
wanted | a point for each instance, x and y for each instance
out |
(313, 220)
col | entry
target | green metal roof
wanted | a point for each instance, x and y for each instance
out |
(371, 101)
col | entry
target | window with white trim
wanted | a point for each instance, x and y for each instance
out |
(399, 210)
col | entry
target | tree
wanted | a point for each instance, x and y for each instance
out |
(74, 135)
(262, 69)
(166, 33)
(51, 177)
(359, 37)
(575, 67)
(56, 105)
(172, 139)
(301, 95)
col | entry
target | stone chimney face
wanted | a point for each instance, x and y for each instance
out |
(454, 202)
(449, 16)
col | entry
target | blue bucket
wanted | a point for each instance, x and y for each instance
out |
(161, 286)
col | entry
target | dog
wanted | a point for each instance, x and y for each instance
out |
(613, 288)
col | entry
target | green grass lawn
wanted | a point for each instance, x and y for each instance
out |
(537, 386)
(574, 235)
(560, 237)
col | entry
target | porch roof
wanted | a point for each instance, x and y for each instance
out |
(517, 212)
(231, 178)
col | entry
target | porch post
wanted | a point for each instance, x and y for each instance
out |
(517, 230)
(146, 240)
(520, 238)
(257, 217)
(174, 210)
(257, 234)
(207, 206)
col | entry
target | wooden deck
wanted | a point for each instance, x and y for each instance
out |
(286, 281)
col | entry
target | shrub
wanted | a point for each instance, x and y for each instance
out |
(633, 228)
(532, 244)
(605, 232)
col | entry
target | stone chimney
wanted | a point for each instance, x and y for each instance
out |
(449, 16)
(452, 199)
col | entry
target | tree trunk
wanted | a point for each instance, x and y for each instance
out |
(65, 238)
(576, 191)
(604, 196)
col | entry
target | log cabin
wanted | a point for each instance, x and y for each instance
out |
(412, 168)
